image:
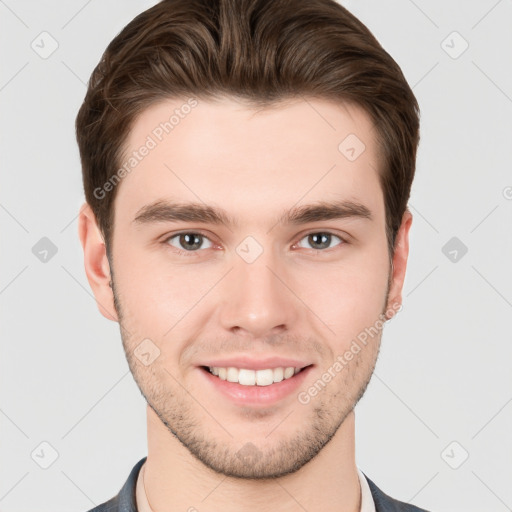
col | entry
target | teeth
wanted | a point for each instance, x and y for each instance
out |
(264, 377)
(278, 374)
(288, 372)
(232, 374)
(254, 377)
(247, 377)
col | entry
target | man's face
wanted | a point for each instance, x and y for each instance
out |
(262, 288)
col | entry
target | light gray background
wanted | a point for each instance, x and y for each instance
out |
(444, 370)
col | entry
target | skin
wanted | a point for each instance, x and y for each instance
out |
(296, 299)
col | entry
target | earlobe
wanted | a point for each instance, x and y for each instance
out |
(399, 263)
(97, 267)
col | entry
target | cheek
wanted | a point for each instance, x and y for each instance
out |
(158, 300)
(154, 307)
(150, 294)
(348, 295)
(162, 301)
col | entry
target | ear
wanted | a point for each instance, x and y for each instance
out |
(96, 263)
(400, 256)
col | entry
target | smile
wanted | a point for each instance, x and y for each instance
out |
(262, 387)
(247, 377)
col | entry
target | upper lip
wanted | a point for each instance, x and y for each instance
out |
(251, 363)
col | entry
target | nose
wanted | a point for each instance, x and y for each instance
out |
(258, 297)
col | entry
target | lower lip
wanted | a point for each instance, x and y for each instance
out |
(257, 395)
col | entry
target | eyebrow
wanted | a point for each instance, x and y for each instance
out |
(168, 211)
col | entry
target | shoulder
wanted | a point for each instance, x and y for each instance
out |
(125, 500)
(385, 503)
(112, 505)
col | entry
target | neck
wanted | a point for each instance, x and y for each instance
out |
(176, 480)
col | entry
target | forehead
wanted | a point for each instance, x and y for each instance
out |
(224, 152)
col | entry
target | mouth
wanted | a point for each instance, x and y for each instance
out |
(256, 388)
(248, 377)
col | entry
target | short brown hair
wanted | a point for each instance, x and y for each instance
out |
(262, 51)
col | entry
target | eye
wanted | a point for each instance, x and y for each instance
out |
(321, 240)
(190, 241)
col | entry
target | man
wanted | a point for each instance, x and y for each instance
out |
(247, 166)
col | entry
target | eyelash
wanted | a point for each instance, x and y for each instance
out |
(181, 252)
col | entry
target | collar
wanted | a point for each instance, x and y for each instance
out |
(367, 503)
